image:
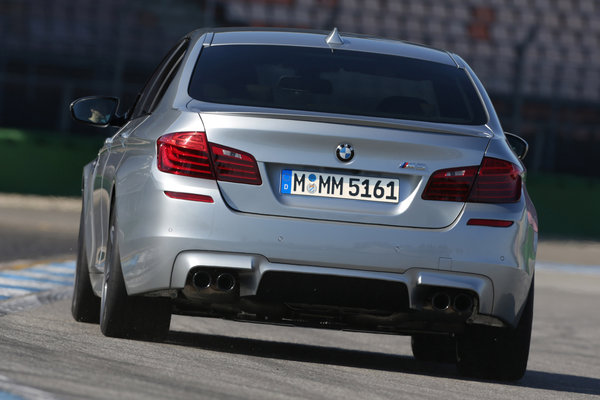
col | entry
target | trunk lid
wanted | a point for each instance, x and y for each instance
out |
(396, 157)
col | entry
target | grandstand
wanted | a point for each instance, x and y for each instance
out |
(539, 59)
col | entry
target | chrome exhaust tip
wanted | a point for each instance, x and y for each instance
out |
(201, 280)
(440, 301)
(462, 302)
(226, 282)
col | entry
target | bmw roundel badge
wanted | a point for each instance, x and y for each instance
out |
(344, 152)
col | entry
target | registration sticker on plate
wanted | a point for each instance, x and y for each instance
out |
(367, 188)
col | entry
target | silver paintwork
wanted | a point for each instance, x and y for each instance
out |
(415, 242)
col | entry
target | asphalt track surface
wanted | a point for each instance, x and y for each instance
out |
(44, 354)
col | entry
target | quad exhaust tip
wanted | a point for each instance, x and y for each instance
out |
(224, 282)
(440, 301)
(201, 280)
(460, 303)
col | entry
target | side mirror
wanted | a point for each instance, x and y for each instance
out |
(96, 110)
(517, 144)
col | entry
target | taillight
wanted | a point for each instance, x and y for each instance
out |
(232, 165)
(184, 153)
(190, 154)
(495, 181)
(498, 181)
(450, 184)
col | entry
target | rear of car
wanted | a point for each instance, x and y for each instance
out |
(333, 181)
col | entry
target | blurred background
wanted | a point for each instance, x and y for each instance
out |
(539, 60)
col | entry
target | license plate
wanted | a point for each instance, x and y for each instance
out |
(366, 188)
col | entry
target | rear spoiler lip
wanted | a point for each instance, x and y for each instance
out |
(483, 131)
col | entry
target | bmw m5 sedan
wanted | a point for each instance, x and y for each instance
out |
(315, 179)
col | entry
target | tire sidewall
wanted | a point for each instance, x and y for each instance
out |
(85, 305)
(113, 286)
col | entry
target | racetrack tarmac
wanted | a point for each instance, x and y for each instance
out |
(47, 355)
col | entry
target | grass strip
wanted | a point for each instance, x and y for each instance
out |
(44, 163)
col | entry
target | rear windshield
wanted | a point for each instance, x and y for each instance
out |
(336, 81)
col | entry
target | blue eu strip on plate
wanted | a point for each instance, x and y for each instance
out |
(286, 181)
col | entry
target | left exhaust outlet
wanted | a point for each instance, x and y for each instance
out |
(440, 301)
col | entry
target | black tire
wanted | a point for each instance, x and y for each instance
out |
(85, 305)
(497, 353)
(437, 348)
(123, 316)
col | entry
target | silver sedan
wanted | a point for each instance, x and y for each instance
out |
(314, 179)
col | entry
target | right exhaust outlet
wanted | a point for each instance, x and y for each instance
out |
(226, 282)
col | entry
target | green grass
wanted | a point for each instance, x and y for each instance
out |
(48, 163)
(568, 206)
(45, 163)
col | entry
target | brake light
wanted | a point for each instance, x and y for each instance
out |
(234, 166)
(450, 184)
(190, 154)
(184, 153)
(495, 181)
(498, 181)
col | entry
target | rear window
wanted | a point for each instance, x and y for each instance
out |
(336, 81)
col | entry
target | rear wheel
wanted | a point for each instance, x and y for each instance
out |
(124, 316)
(497, 353)
(438, 348)
(85, 305)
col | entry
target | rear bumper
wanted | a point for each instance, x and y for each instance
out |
(163, 239)
(251, 268)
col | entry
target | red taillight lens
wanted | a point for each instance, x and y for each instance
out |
(232, 165)
(495, 181)
(498, 181)
(190, 154)
(450, 184)
(184, 153)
